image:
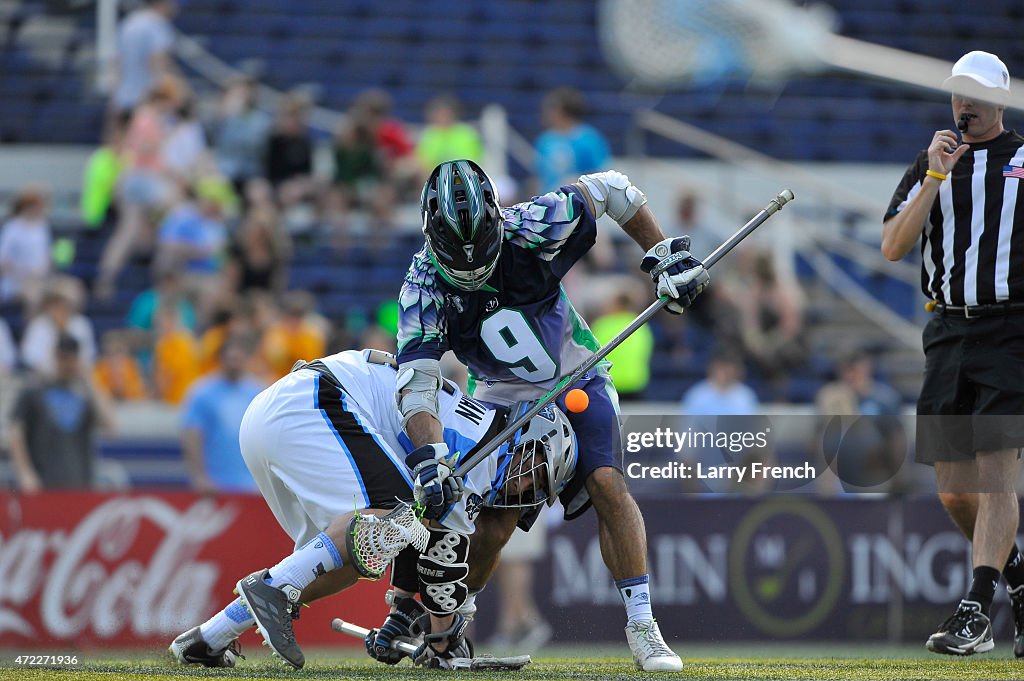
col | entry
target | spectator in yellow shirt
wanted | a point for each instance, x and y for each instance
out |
(176, 358)
(298, 334)
(117, 373)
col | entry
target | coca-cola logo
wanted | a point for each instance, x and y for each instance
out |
(103, 575)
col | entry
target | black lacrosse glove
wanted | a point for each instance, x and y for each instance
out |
(436, 486)
(677, 275)
(458, 645)
(397, 626)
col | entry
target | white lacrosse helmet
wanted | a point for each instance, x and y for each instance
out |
(540, 460)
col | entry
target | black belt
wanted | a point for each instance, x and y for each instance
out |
(971, 311)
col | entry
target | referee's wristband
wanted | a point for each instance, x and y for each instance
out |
(938, 176)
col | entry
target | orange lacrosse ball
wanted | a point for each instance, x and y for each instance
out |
(576, 400)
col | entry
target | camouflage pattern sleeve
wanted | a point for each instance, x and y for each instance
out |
(421, 322)
(558, 226)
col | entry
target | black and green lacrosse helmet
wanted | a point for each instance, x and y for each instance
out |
(462, 223)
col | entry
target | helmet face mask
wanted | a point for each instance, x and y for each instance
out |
(462, 223)
(526, 478)
(469, 280)
(539, 463)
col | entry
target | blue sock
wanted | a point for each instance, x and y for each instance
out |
(636, 596)
(316, 557)
(227, 625)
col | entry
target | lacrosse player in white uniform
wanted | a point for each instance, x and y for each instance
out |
(326, 448)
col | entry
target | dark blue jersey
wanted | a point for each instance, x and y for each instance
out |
(519, 334)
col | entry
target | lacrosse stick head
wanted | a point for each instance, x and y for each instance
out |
(539, 462)
(374, 541)
(668, 43)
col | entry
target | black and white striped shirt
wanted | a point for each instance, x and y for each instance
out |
(973, 242)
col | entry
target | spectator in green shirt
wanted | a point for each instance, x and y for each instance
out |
(631, 360)
(445, 137)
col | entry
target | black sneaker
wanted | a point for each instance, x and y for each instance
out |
(191, 648)
(967, 632)
(1017, 602)
(273, 609)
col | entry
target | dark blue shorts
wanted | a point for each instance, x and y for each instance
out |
(598, 437)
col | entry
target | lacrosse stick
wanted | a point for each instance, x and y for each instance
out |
(480, 663)
(774, 206)
(671, 43)
(374, 541)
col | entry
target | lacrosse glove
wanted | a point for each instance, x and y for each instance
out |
(458, 645)
(436, 487)
(677, 275)
(397, 626)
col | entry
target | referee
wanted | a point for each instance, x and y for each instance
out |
(965, 203)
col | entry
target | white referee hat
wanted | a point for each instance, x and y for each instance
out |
(980, 75)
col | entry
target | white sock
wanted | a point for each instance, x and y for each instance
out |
(318, 556)
(227, 625)
(636, 596)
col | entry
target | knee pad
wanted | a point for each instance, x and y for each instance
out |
(403, 570)
(442, 569)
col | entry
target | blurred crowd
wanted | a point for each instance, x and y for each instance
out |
(215, 195)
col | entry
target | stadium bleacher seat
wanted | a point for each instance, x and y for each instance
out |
(415, 50)
(511, 53)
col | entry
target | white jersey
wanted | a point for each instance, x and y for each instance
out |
(317, 453)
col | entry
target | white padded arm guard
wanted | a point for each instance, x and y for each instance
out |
(422, 378)
(614, 194)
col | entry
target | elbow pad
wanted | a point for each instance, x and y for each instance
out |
(422, 378)
(442, 569)
(614, 194)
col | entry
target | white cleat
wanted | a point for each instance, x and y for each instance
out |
(650, 652)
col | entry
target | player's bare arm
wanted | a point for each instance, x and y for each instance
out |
(677, 275)
(423, 428)
(901, 232)
(643, 228)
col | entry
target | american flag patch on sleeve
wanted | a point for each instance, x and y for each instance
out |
(1013, 171)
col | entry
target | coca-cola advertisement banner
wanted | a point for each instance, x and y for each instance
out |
(86, 569)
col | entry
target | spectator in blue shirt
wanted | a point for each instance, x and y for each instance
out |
(241, 132)
(569, 147)
(168, 287)
(719, 404)
(211, 416)
(723, 392)
(192, 237)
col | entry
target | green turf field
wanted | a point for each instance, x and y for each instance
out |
(701, 662)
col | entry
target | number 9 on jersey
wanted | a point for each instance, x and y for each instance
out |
(512, 341)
